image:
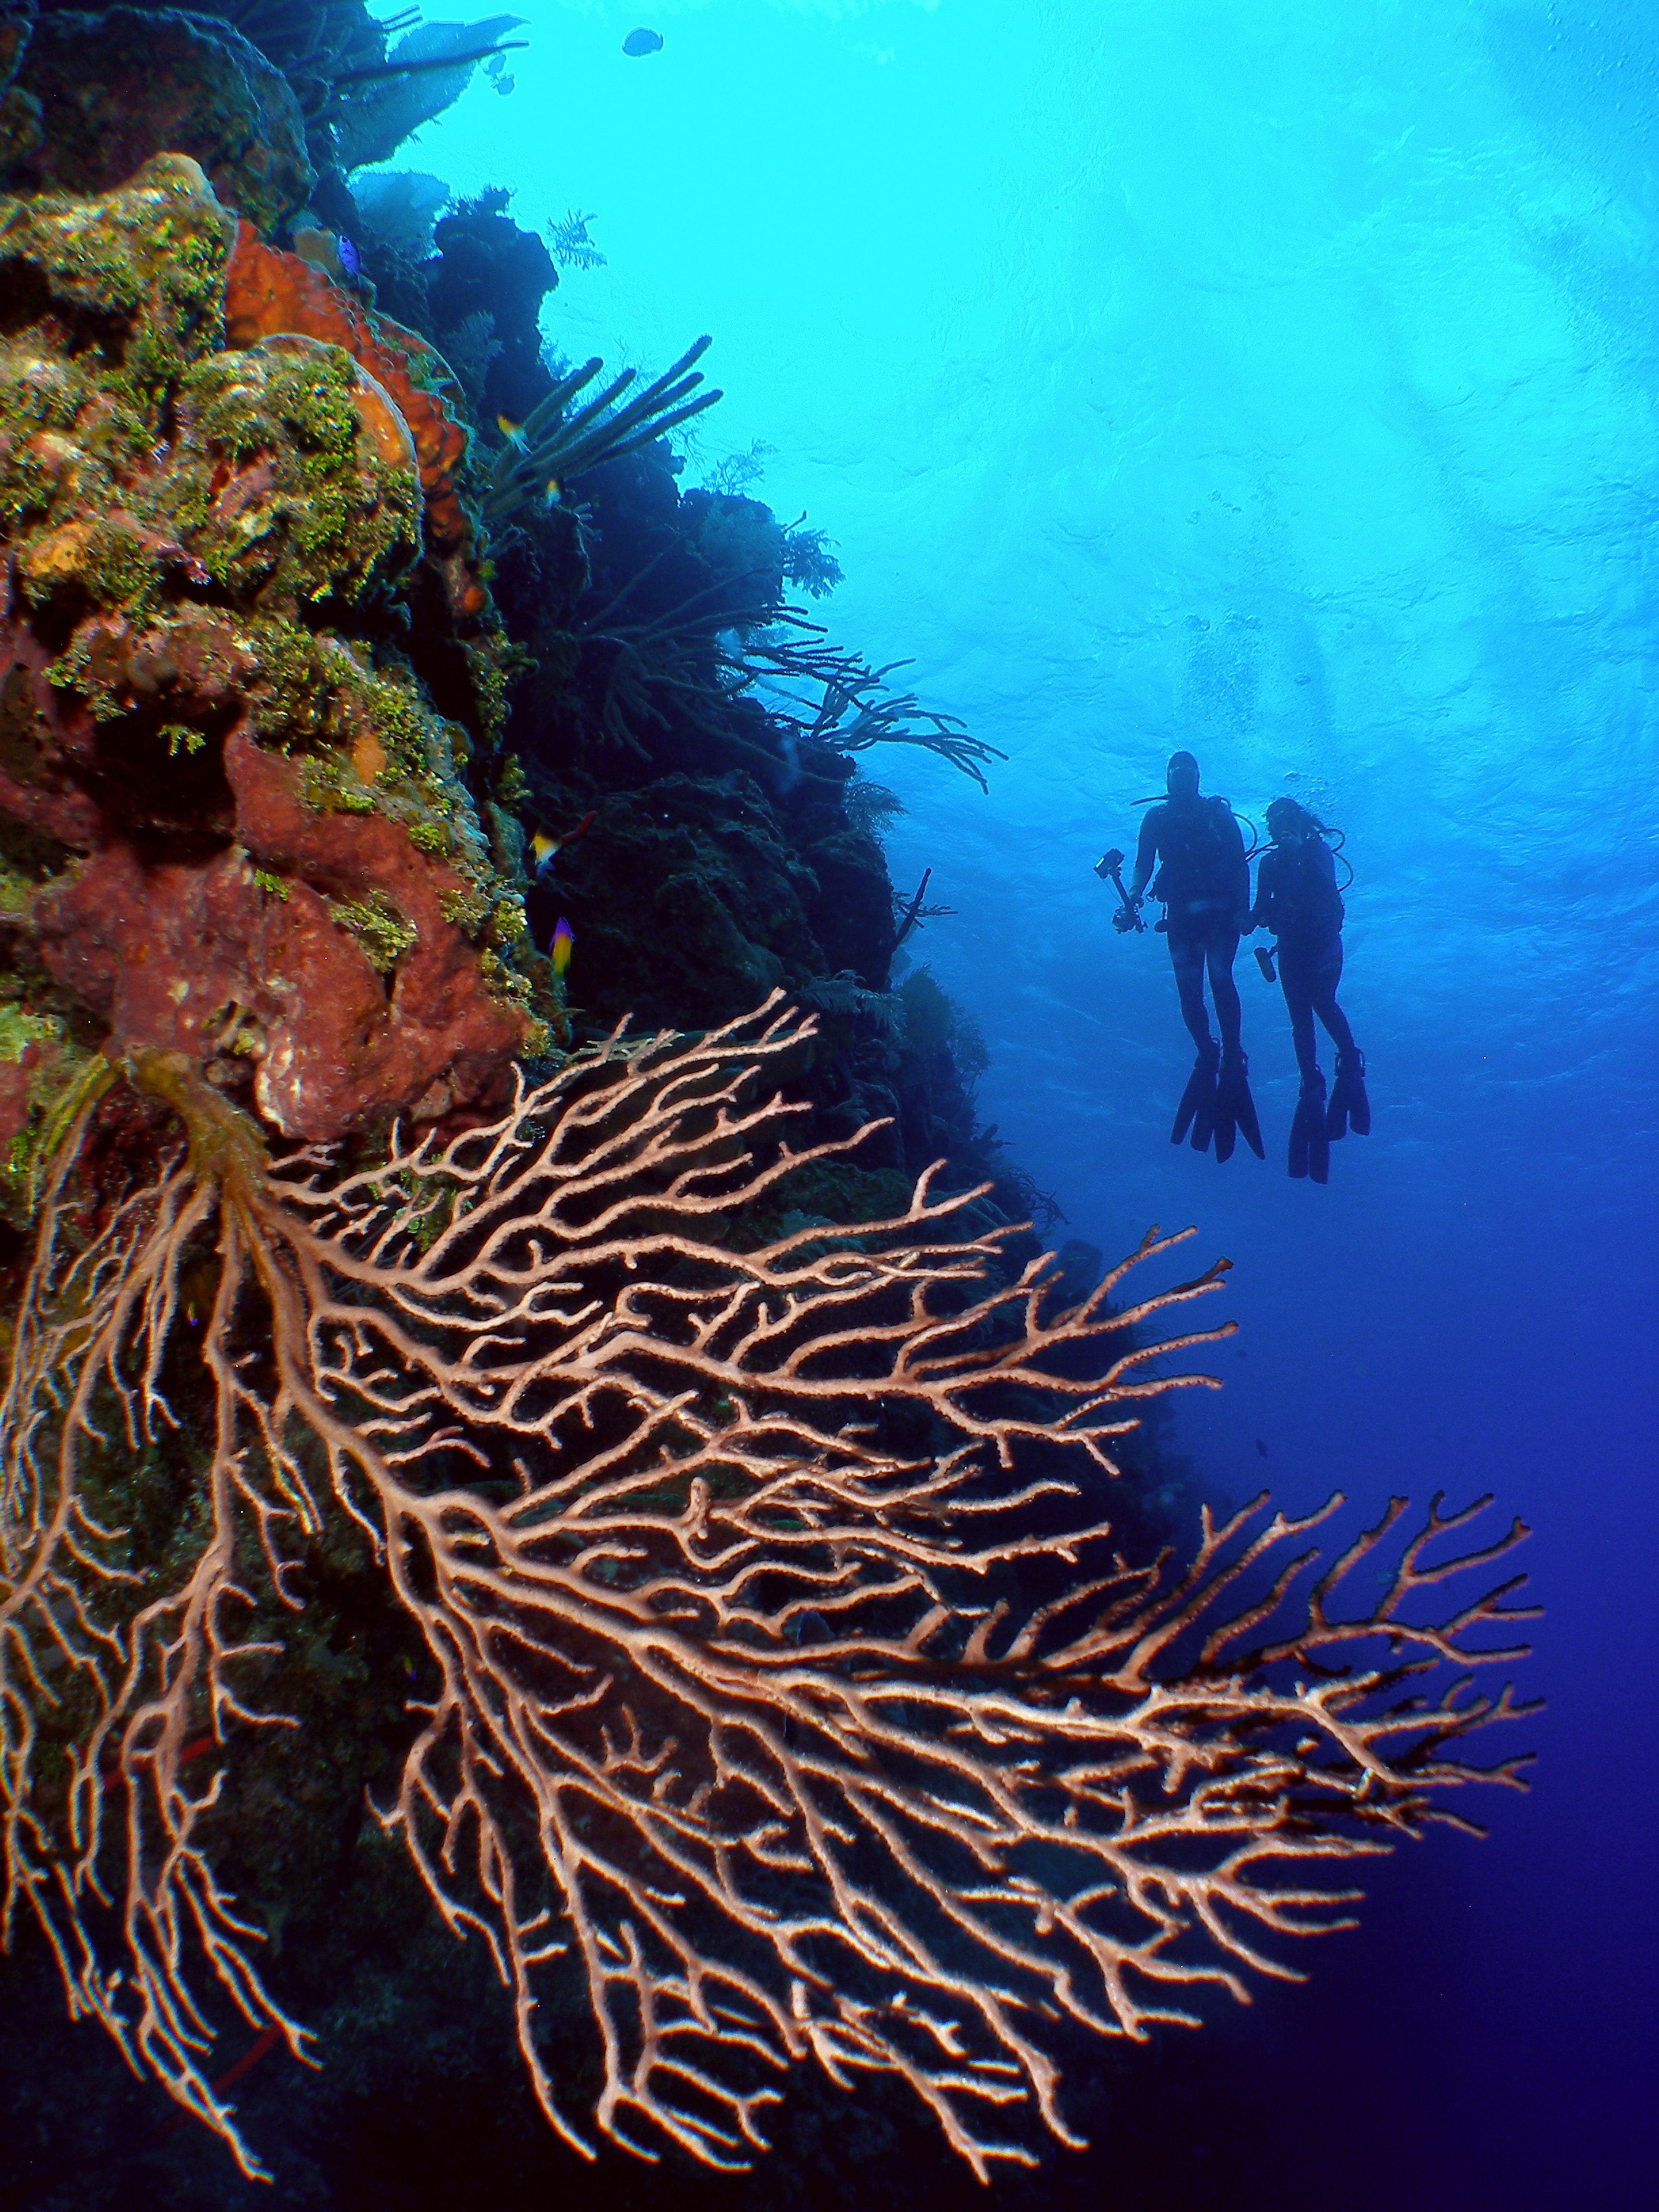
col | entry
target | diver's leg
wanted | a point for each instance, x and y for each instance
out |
(1298, 971)
(1296, 983)
(1222, 950)
(1349, 1106)
(1235, 1107)
(1196, 1111)
(1325, 977)
(1186, 958)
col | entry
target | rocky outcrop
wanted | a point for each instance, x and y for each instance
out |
(97, 94)
(232, 824)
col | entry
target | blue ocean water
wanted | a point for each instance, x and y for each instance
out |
(1276, 380)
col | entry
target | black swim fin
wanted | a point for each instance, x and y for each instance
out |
(1311, 1148)
(1235, 1111)
(1350, 1109)
(1196, 1111)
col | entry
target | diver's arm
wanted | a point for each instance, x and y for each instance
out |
(1146, 856)
(1238, 870)
(1128, 915)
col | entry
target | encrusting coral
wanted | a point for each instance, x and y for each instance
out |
(253, 89)
(267, 291)
(99, 92)
(775, 1702)
(233, 826)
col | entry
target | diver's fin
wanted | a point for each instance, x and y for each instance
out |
(1350, 1109)
(1311, 1148)
(1196, 1111)
(1235, 1108)
(1297, 1161)
(1319, 1144)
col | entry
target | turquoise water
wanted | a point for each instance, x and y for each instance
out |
(1277, 380)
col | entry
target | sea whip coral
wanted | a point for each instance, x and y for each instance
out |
(777, 1702)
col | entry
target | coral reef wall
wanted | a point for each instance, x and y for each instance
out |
(235, 826)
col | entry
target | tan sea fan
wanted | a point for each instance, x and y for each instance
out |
(792, 1701)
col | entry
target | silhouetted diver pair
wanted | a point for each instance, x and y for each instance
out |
(1203, 881)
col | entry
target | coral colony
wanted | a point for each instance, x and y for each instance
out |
(788, 1683)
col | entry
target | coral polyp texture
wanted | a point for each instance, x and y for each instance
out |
(785, 1699)
(231, 825)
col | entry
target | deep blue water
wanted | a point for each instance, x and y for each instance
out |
(1278, 380)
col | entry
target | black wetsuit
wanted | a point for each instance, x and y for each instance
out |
(1296, 898)
(1203, 879)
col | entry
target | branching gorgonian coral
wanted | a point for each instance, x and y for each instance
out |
(790, 1700)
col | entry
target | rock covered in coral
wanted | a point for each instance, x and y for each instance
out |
(290, 479)
(97, 94)
(489, 279)
(232, 825)
(321, 943)
(268, 293)
(688, 905)
(743, 546)
(349, 89)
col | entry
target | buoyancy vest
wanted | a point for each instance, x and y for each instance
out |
(1200, 852)
(1302, 900)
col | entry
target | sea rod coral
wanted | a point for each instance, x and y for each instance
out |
(787, 1696)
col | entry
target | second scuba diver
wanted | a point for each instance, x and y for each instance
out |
(1296, 898)
(1204, 882)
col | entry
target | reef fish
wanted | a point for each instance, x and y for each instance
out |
(331, 252)
(642, 42)
(542, 899)
(564, 941)
(545, 848)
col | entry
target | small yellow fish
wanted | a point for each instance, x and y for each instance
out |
(513, 432)
(564, 941)
(544, 847)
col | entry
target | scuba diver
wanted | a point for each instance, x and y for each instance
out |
(1204, 882)
(1296, 898)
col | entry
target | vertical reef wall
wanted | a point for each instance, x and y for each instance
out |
(475, 1467)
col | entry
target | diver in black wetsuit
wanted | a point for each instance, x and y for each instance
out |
(1296, 898)
(1204, 881)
